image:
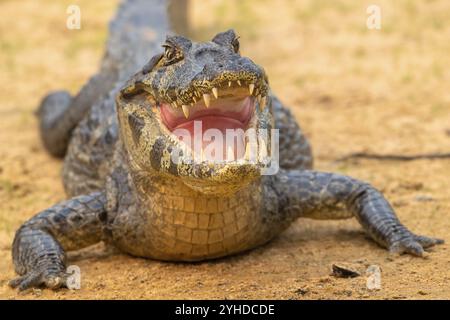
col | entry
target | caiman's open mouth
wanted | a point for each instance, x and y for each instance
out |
(225, 108)
(229, 111)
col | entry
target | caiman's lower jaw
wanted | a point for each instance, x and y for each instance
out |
(225, 111)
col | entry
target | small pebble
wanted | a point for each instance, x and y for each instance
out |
(423, 293)
(302, 291)
(344, 270)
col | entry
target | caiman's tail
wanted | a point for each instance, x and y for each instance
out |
(135, 35)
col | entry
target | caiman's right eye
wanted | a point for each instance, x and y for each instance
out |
(171, 54)
(235, 44)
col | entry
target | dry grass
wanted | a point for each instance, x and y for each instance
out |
(351, 88)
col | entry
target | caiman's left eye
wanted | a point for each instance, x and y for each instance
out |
(169, 52)
(235, 44)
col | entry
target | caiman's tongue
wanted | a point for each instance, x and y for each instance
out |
(225, 113)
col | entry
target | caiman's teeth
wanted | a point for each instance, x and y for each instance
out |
(251, 87)
(207, 99)
(215, 92)
(229, 83)
(262, 151)
(230, 154)
(185, 110)
(239, 82)
(174, 105)
(247, 151)
(263, 103)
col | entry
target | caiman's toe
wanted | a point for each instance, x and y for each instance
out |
(14, 283)
(427, 242)
(27, 281)
(409, 246)
(414, 245)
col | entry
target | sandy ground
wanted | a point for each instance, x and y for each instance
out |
(353, 89)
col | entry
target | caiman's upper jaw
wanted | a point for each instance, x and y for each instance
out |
(223, 85)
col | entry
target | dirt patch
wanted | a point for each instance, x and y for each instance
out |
(352, 89)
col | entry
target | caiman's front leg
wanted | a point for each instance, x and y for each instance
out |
(321, 195)
(40, 244)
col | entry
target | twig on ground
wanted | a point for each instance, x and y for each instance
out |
(393, 157)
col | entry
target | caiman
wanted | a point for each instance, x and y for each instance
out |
(119, 135)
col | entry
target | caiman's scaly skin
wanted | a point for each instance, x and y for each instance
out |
(125, 189)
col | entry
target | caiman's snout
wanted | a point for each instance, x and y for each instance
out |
(234, 67)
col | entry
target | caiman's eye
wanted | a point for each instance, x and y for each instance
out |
(235, 44)
(171, 54)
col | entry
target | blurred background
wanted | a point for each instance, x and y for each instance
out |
(351, 88)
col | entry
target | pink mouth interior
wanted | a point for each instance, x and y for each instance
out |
(222, 114)
(227, 112)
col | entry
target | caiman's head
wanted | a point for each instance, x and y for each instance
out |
(175, 115)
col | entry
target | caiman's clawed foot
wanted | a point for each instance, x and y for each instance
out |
(38, 247)
(413, 244)
(52, 280)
